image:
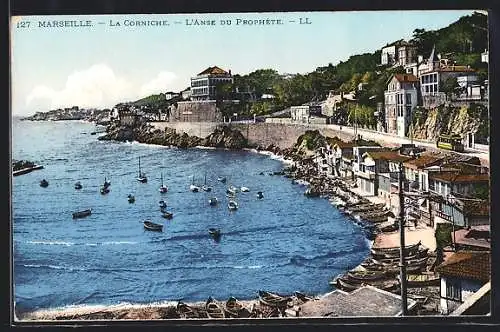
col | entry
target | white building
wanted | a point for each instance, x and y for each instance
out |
(462, 274)
(400, 100)
(300, 114)
(204, 85)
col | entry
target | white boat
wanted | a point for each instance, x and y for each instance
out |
(232, 205)
(221, 179)
(206, 187)
(233, 189)
(244, 189)
(141, 177)
(194, 188)
(163, 189)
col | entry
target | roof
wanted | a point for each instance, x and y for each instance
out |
(474, 265)
(364, 301)
(422, 161)
(345, 145)
(457, 177)
(213, 71)
(473, 237)
(406, 78)
(386, 155)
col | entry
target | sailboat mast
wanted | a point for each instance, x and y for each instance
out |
(139, 166)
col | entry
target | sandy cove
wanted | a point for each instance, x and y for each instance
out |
(299, 170)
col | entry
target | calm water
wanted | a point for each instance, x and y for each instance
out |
(284, 242)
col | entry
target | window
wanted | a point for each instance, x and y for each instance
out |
(408, 98)
(453, 290)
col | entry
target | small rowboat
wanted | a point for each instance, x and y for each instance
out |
(186, 311)
(303, 297)
(233, 307)
(273, 300)
(151, 226)
(214, 309)
(78, 185)
(244, 189)
(82, 214)
(167, 215)
(213, 201)
(162, 204)
(366, 275)
(422, 280)
(131, 198)
(260, 195)
(44, 183)
(221, 179)
(104, 190)
(394, 251)
(215, 233)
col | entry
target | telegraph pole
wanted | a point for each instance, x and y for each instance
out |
(402, 263)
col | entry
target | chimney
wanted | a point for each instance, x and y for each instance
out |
(229, 71)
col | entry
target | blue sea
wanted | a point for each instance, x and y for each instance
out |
(284, 242)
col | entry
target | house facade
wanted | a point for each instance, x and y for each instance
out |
(204, 85)
(462, 274)
(401, 97)
(300, 114)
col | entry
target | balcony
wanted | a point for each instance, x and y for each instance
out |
(365, 175)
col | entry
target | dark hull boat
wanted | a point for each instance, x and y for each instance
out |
(260, 195)
(394, 251)
(44, 183)
(213, 201)
(273, 300)
(215, 233)
(82, 214)
(162, 204)
(104, 190)
(214, 309)
(131, 198)
(233, 308)
(78, 185)
(186, 311)
(151, 226)
(167, 215)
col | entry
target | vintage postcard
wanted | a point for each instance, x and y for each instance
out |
(273, 165)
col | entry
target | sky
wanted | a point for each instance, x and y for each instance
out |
(103, 64)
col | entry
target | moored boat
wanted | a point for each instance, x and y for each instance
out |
(44, 183)
(221, 179)
(167, 215)
(244, 189)
(213, 201)
(232, 205)
(260, 195)
(151, 226)
(78, 185)
(106, 183)
(82, 214)
(185, 311)
(272, 299)
(131, 198)
(214, 309)
(162, 204)
(104, 190)
(206, 187)
(215, 233)
(194, 188)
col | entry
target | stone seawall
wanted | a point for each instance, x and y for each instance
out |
(263, 134)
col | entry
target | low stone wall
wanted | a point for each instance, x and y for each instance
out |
(263, 134)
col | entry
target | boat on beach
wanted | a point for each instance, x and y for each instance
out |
(163, 189)
(141, 177)
(82, 214)
(394, 251)
(194, 188)
(233, 308)
(151, 226)
(44, 183)
(214, 309)
(303, 297)
(272, 299)
(367, 275)
(167, 215)
(185, 311)
(422, 280)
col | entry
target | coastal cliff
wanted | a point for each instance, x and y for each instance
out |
(223, 137)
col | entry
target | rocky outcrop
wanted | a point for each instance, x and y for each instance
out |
(220, 138)
(447, 120)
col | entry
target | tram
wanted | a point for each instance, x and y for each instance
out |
(450, 142)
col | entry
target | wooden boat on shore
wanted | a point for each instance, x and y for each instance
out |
(151, 226)
(186, 311)
(394, 251)
(233, 308)
(366, 275)
(141, 177)
(272, 299)
(78, 185)
(44, 183)
(343, 284)
(214, 309)
(303, 297)
(392, 259)
(82, 214)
